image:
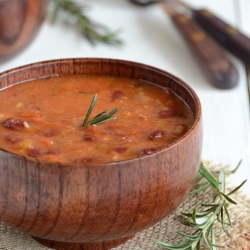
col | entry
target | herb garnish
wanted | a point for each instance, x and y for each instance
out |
(91, 30)
(204, 221)
(100, 118)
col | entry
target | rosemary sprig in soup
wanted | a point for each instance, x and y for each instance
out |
(100, 118)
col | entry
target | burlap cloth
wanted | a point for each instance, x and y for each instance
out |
(165, 231)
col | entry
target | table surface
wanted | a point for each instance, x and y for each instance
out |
(149, 37)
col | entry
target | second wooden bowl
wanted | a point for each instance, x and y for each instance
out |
(20, 22)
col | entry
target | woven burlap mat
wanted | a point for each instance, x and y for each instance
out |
(165, 231)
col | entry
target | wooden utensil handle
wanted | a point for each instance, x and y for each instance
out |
(231, 38)
(211, 57)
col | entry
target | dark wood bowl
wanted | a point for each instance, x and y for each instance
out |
(99, 206)
(19, 23)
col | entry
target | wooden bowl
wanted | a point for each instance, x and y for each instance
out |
(19, 23)
(98, 206)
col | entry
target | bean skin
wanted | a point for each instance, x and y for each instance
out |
(146, 151)
(156, 134)
(34, 153)
(14, 123)
(89, 138)
(54, 151)
(87, 160)
(119, 149)
(116, 95)
(53, 132)
(13, 138)
(167, 114)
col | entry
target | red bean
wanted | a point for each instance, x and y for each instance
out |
(119, 149)
(87, 160)
(167, 113)
(146, 151)
(34, 153)
(14, 123)
(13, 138)
(88, 137)
(53, 132)
(156, 134)
(116, 95)
(54, 151)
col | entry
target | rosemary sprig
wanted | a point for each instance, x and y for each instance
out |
(100, 118)
(204, 221)
(91, 30)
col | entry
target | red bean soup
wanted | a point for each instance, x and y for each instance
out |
(42, 119)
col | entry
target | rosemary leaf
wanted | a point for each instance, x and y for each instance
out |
(200, 189)
(201, 214)
(228, 216)
(198, 178)
(222, 181)
(188, 224)
(238, 165)
(205, 240)
(213, 239)
(209, 205)
(229, 199)
(100, 118)
(208, 175)
(90, 109)
(237, 188)
(190, 237)
(229, 172)
(184, 245)
(99, 115)
(223, 223)
(194, 216)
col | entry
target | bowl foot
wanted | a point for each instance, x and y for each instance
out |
(82, 246)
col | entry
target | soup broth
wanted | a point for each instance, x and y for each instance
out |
(42, 119)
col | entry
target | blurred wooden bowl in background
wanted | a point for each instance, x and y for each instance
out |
(20, 21)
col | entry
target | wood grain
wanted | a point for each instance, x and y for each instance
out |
(95, 205)
(228, 36)
(20, 20)
(216, 65)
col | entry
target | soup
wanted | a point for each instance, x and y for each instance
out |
(43, 119)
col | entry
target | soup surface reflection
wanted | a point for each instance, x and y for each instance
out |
(42, 119)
